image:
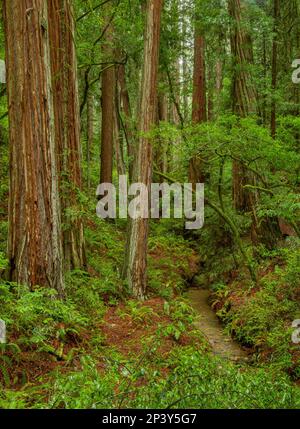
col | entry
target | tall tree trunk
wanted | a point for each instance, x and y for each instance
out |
(108, 106)
(67, 127)
(244, 101)
(90, 134)
(161, 147)
(274, 66)
(219, 68)
(175, 111)
(296, 87)
(118, 137)
(265, 72)
(185, 67)
(34, 240)
(199, 112)
(126, 115)
(243, 97)
(176, 115)
(210, 102)
(185, 97)
(136, 261)
(219, 85)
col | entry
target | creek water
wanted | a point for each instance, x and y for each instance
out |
(208, 323)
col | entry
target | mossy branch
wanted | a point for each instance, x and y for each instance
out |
(235, 232)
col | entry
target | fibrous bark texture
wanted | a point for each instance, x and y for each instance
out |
(34, 242)
(136, 257)
(67, 127)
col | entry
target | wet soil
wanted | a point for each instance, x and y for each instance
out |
(208, 323)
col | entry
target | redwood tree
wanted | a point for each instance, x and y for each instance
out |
(199, 112)
(67, 127)
(108, 106)
(34, 240)
(244, 103)
(136, 252)
(243, 98)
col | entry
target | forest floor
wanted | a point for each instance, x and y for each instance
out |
(101, 349)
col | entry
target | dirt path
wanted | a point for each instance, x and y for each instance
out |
(222, 344)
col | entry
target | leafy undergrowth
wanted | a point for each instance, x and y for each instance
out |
(99, 348)
(261, 316)
(137, 355)
(49, 337)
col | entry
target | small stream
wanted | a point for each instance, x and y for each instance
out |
(208, 323)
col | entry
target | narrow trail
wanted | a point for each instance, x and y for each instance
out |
(208, 323)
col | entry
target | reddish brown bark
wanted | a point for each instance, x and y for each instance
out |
(108, 106)
(67, 127)
(34, 241)
(243, 97)
(136, 252)
(199, 112)
(244, 101)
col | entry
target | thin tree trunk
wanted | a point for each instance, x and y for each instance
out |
(118, 137)
(161, 149)
(67, 127)
(165, 143)
(219, 71)
(136, 261)
(176, 117)
(185, 68)
(126, 118)
(199, 112)
(90, 134)
(175, 106)
(108, 106)
(34, 239)
(210, 102)
(274, 67)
